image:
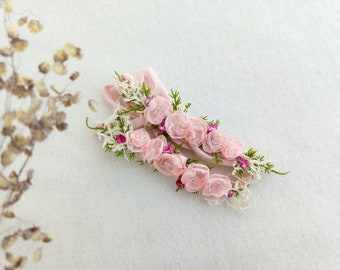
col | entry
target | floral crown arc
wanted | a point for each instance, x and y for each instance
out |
(149, 125)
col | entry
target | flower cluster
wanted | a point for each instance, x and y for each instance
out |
(149, 123)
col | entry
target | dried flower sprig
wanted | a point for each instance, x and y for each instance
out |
(32, 108)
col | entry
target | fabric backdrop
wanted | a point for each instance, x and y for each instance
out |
(269, 70)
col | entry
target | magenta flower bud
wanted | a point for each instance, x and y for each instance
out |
(161, 126)
(169, 149)
(120, 139)
(179, 182)
(147, 101)
(244, 163)
(212, 127)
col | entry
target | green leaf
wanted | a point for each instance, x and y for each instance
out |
(191, 160)
(120, 153)
(210, 167)
(177, 147)
(146, 90)
(251, 153)
(131, 156)
(187, 106)
(236, 193)
(118, 76)
(205, 117)
(216, 160)
(216, 122)
(239, 173)
(176, 99)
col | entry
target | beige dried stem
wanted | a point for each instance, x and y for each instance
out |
(32, 109)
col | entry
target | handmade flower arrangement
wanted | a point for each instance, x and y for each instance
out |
(149, 124)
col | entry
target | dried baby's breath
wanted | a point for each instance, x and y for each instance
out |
(60, 56)
(8, 6)
(37, 111)
(3, 68)
(73, 51)
(9, 214)
(24, 81)
(3, 182)
(77, 97)
(42, 89)
(16, 262)
(22, 21)
(93, 105)
(9, 240)
(18, 44)
(34, 26)
(44, 67)
(6, 158)
(59, 68)
(37, 255)
(74, 76)
(6, 51)
(12, 31)
(56, 89)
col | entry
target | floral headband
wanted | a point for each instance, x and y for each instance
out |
(148, 124)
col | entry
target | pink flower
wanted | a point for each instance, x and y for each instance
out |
(137, 139)
(217, 186)
(154, 148)
(158, 109)
(198, 131)
(233, 148)
(177, 125)
(195, 177)
(215, 141)
(170, 164)
(151, 79)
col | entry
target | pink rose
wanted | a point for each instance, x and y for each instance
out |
(137, 139)
(233, 148)
(151, 79)
(177, 125)
(215, 141)
(170, 164)
(158, 109)
(195, 177)
(217, 186)
(198, 131)
(154, 148)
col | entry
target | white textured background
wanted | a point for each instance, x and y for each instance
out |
(270, 70)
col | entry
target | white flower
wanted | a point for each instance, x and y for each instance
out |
(114, 126)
